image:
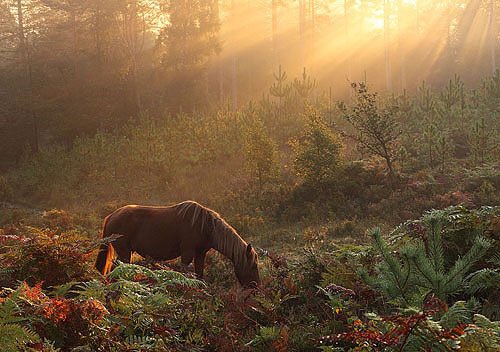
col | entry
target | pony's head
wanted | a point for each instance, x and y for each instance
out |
(247, 271)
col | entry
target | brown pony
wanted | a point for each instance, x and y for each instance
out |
(187, 229)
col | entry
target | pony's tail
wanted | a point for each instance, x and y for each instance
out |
(104, 259)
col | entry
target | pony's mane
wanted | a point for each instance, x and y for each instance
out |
(224, 237)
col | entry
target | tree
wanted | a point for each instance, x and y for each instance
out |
(375, 129)
(186, 44)
(492, 37)
(387, 49)
(443, 148)
(132, 27)
(317, 150)
(430, 138)
(420, 268)
(274, 26)
(401, 46)
(260, 153)
(481, 142)
(279, 89)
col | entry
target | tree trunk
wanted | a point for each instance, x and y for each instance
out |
(349, 64)
(234, 70)
(274, 10)
(135, 51)
(220, 71)
(302, 25)
(402, 53)
(130, 38)
(387, 38)
(492, 36)
(27, 72)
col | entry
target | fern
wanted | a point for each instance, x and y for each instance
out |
(14, 337)
(140, 342)
(7, 272)
(130, 271)
(485, 323)
(62, 290)
(91, 289)
(265, 337)
(161, 277)
(483, 335)
(459, 312)
(174, 278)
(482, 280)
(10, 311)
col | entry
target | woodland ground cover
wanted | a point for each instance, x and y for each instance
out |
(432, 286)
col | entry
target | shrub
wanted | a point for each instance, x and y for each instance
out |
(36, 255)
(56, 218)
(317, 150)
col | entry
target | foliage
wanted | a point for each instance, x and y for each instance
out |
(421, 269)
(376, 130)
(317, 151)
(36, 255)
(185, 46)
(481, 142)
(5, 189)
(307, 301)
(13, 335)
(260, 154)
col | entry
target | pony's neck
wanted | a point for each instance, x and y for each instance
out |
(230, 244)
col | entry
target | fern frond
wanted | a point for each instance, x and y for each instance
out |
(174, 278)
(10, 311)
(158, 301)
(482, 280)
(130, 271)
(7, 271)
(91, 289)
(62, 290)
(14, 337)
(128, 287)
(140, 342)
(495, 260)
(457, 313)
(485, 323)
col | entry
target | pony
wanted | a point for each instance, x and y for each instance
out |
(187, 230)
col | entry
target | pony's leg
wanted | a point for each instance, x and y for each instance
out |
(199, 263)
(124, 252)
(187, 256)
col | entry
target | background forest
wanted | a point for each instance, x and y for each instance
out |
(355, 144)
(72, 67)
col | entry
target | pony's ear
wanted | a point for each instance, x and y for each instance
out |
(249, 249)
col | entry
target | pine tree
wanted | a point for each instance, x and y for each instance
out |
(260, 154)
(430, 137)
(317, 151)
(443, 149)
(419, 268)
(481, 142)
(280, 89)
(304, 86)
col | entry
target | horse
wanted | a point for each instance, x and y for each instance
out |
(187, 230)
